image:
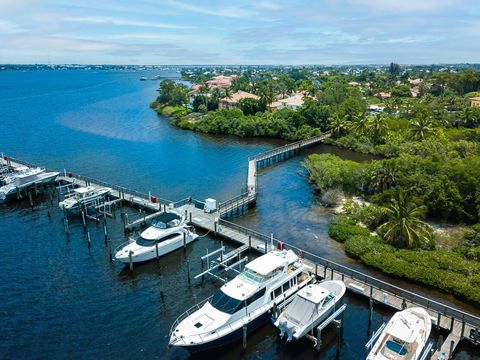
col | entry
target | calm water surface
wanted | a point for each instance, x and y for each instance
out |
(61, 300)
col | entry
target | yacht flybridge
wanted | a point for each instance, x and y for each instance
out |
(83, 196)
(404, 337)
(166, 234)
(269, 280)
(311, 305)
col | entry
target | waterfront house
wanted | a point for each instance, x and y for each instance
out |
(233, 101)
(475, 101)
(221, 82)
(292, 102)
(384, 95)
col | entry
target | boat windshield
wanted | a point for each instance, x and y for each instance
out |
(225, 303)
(251, 276)
(144, 242)
(159, 224)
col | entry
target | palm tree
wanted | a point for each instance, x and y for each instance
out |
(377, 127)
(422, 127)
(384, 175)
(404, 226)
(359, 123)
(338, 126)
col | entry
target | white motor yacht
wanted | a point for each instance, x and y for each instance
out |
(270, 280)
(311, 305)
(404, 337)
(166, 234)
(24, 177)
(83, 196)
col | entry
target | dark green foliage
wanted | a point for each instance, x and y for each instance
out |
(401, 91)
(251, 106)
(446, 270)
(343, 228)
(172, 94)
(328, 171)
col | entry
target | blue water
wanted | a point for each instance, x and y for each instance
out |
(59, 299)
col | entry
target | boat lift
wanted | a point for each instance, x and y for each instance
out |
(223, 263)
(374, 337)
(332, 318)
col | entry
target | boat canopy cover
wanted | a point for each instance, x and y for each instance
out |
(167, 217)
(300, 312)
(406, 326)
(314, 293)
(266, 264)
(84, 190)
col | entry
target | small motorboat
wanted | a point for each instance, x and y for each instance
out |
(311, 306)
(83, 196)
(404, 337)
(166, 234)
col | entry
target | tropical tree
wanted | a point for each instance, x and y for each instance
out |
(384, 174)
(338, 126)
(376, 127)
(405, 227)
(422, 126)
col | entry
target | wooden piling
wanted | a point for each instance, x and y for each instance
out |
(130, 261)
(83, 220)
(110, 250)
(156, 252)
(450, 352)
(161, 286)
(188, 272)
(319, 340)
(30, 199)
(105, 231)
(244, 343)
(439, 318)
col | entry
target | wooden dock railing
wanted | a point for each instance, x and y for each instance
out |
(443, 309)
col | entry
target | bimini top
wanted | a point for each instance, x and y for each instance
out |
(407, 326)
(268, 263)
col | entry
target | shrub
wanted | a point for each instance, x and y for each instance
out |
(343, 228)
(359, 245)
(332, 197)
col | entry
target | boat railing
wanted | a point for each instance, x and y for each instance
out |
(187, 313)
(120, 189)
(370, 281)
(125, 243)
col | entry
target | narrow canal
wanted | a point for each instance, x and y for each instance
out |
(60, 299)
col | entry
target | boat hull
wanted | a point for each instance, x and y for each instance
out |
(233, 337)
(151, 253)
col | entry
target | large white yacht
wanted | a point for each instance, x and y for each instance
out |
(82, 196)
(310, 306)
(168, 231)
(269, 280)
(404, 337)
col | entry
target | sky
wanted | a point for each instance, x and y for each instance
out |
(239, 32)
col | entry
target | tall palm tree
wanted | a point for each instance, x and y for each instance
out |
(359, 123)
(422, 126)
(338, 126)
(404, 226)
(377, 127)
(384, 175)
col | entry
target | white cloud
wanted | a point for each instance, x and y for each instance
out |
(409, 5)
(123, 22)
(6, 27)
(232, 12)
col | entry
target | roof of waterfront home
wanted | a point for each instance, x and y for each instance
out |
(476, 98)
(295, 100)
(239, 95)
